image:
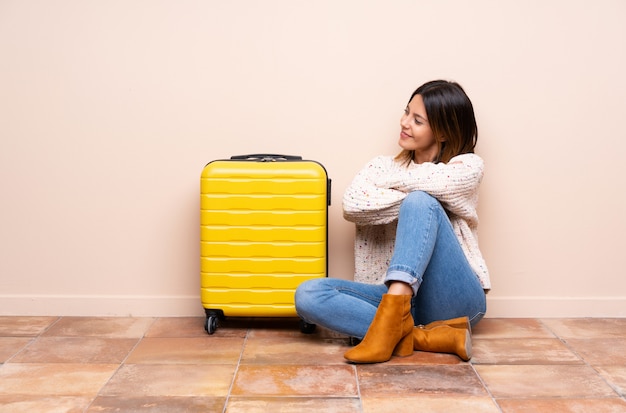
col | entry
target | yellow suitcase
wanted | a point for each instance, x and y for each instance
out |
(264, 230)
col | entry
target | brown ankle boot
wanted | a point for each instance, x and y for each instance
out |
(443, 338)
(389, 333)
(459, 322)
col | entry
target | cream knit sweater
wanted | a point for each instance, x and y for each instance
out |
(372, 202)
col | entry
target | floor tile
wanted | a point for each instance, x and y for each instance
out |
(608, 405)
(293, 405)
(425, 358)
(189, 327)
(381, 380)
(522, 351)
(10, 346)
(615, 376)
(312, 381)
(600, 351)
(43, 404)
(587, 327)
(103, 327)
(276, 327)
(156, 404)
(300, 350)
(54, 379)
(428, 403)
(110, 364)
(76, 350)
(543, 381)
(15, 326)
(199, 350)
(322, 332)
(511, 328)
(141, 380)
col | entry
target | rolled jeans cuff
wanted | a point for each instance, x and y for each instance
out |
(405, 277)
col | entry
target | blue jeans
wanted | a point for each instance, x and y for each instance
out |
(427, 256)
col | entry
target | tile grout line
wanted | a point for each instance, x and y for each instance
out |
(232, 382)
(358, 386)
(32, 340)
(493, 398)
(21, 350)
(482, 382)
(585, 362)
(121, 364)
(55, 322)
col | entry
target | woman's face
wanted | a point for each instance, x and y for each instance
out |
(415, 132)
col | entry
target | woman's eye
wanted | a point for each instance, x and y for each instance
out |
(417, 121)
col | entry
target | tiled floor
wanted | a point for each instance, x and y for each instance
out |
(73, 364)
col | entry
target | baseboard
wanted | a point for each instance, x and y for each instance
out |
(555, 307)
(101, 305)
(188, 306)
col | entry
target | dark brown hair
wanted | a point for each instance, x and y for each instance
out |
(450, 116)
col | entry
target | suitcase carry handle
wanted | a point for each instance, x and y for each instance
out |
(266, 157)
(272, 157)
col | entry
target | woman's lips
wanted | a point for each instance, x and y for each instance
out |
(403, 135)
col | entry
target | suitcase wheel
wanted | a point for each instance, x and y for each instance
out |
(210, 325)
(307, 328)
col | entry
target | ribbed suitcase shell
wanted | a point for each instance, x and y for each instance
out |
(263, 232)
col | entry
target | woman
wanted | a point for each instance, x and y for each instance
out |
(420, 279)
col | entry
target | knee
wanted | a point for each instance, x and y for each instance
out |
(305, 294)
(419, 200)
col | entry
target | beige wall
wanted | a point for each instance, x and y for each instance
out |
(110, 109)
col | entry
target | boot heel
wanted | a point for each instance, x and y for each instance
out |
(386, 333)
(405, 347)
(467, 348)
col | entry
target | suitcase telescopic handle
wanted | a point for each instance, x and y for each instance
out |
(266, 157)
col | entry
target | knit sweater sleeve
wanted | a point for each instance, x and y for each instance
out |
(454, 184)
(367, 201)
(375, 194)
